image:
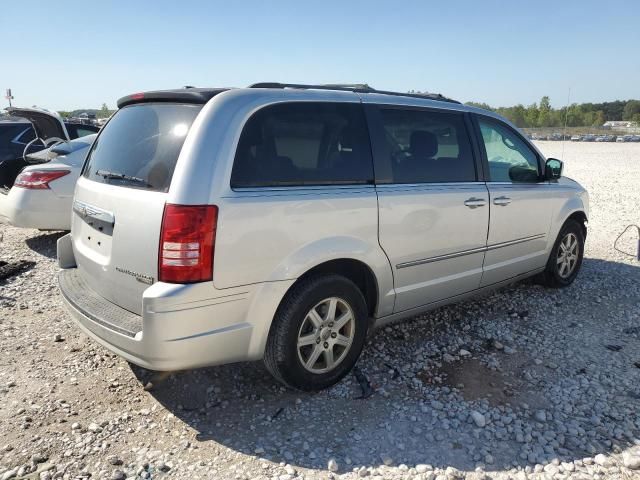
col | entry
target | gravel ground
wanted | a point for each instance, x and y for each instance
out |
(524, 383)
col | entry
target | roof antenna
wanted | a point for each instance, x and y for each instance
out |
(566, 119)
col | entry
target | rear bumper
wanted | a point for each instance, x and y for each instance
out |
(40, 209)
(181, 326)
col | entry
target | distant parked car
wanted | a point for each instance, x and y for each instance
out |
(635, 138)
(576, 138)
(29, 131)
(589, 138)
(86, 118)
(619, 139)
(42, 194)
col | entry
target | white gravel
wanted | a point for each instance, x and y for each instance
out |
(537, 383)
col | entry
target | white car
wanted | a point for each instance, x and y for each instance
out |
(42, 194)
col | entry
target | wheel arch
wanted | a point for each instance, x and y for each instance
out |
(581, 218)
(362, 262)
(355, 270)
(576, 207)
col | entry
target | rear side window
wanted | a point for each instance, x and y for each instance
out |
(291, 144)
(139, 147)
(424, 146)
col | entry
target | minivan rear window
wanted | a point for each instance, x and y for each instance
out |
(139, 147)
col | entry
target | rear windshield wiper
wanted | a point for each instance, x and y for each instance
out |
(121, 176)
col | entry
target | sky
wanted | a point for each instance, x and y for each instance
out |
(78, 54)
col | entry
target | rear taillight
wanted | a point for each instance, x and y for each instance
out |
(38, 179)
(187, 241)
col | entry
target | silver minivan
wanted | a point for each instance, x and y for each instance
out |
(283, 222)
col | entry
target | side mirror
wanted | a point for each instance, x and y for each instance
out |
(553, 169)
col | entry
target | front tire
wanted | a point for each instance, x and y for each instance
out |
(317, 333)
(566, 256)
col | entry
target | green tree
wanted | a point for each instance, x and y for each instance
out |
(630, 109)
(544, 112)
(598, 119)
(519, 116)
(531, 115)
(104, 112)
(587, 119)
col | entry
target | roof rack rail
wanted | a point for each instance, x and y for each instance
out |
(356, 88)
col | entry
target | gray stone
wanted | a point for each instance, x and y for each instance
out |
(478, 419)
(540, 416)
(118, 475)
(94, 427)
(448, 358)
(10, 474)
(631, 459)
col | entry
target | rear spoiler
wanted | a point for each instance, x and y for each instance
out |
(184, 95)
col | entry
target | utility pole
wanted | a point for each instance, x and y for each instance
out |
(8, 96)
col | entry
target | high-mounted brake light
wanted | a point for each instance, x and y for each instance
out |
(38, 179)
(187, 242)
(137, 96)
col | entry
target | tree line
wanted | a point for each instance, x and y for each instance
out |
(103, 112)
(542, 114)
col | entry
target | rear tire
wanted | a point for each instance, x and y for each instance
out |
(318, 333)
(566, 256)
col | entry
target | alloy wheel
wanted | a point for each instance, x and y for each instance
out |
(326, 335)
(567, 255)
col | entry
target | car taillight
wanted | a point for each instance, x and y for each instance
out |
(187, 241)
(38, 179)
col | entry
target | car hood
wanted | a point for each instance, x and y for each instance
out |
(46, 124)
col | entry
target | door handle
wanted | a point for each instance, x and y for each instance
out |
(502, 201)
(474, 202)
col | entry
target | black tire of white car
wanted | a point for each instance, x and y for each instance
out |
(552, 277)
(282, 357)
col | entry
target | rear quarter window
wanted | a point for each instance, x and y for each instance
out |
(304, 143)
(140, 146)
